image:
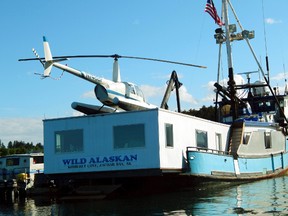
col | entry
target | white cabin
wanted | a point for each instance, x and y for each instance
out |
(16, 165)
(146, 141)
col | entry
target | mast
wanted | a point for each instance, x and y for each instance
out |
(246, 35)
(231, 82)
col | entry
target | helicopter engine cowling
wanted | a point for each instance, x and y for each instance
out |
(102, 95)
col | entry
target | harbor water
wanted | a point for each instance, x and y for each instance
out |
(265, 197)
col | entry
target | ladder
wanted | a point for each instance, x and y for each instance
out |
(236, 137)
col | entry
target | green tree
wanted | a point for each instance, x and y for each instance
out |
(203, 112)
(3, 150)
(20, 147)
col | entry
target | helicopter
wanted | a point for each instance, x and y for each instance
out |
(115, 94)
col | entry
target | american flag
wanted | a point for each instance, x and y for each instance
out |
(210, 8)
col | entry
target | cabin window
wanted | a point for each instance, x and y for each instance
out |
(129, 136)
(218, 142)
(267, 138)
(12, 161)
(38, 159)
(169, 135)
(246, 137)
(201, 139)
(69, 141)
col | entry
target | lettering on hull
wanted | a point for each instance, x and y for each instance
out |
(100, 161)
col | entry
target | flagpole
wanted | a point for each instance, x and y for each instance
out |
(217, 116)
(231, 82)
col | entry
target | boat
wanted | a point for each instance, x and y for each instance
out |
(256, 146)
(21, 169)
(255, 150)
(134, 150)
(160, 149)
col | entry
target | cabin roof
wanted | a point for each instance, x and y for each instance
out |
(23, 155)
(128, 112)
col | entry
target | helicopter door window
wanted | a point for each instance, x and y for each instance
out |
(139, 92)
(131, 89)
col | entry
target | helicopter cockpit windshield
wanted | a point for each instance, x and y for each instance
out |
(139, 92)
(133, 91)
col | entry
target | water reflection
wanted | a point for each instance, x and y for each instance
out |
(263, 197)
(266, 197)
(16, 206)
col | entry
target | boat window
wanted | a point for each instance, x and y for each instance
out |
(218, 142)
(69, 141)
(169, 135)
(38, 159)
(264, 106)
(201, 139)
(12, 161)
(129, 136)
(267, 140)
(246, 137)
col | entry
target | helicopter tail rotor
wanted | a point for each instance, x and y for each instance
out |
(38, 57)
(49, 61)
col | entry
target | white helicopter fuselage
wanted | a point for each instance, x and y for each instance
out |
(123, 95)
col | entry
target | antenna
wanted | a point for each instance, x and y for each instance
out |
(248, 80)
(266, 50)
(285, 80)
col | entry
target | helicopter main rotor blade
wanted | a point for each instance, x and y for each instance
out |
(162, 60)
(115, 56)
(72, 56)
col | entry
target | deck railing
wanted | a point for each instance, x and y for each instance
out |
(201, 149)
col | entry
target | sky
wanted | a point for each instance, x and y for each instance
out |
(176, 30)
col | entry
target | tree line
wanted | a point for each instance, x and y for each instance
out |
(204, 112)
(20, 147)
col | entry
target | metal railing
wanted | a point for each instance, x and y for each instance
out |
(201, 149)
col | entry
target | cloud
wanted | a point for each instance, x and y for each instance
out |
(76, 113)
(272, 21)
(186, 97)
(21, 129)
(210, 93)
(210, 88)
(89, 94)
(239, 80)
(152, 91)
(155, 95)
(279, 76)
